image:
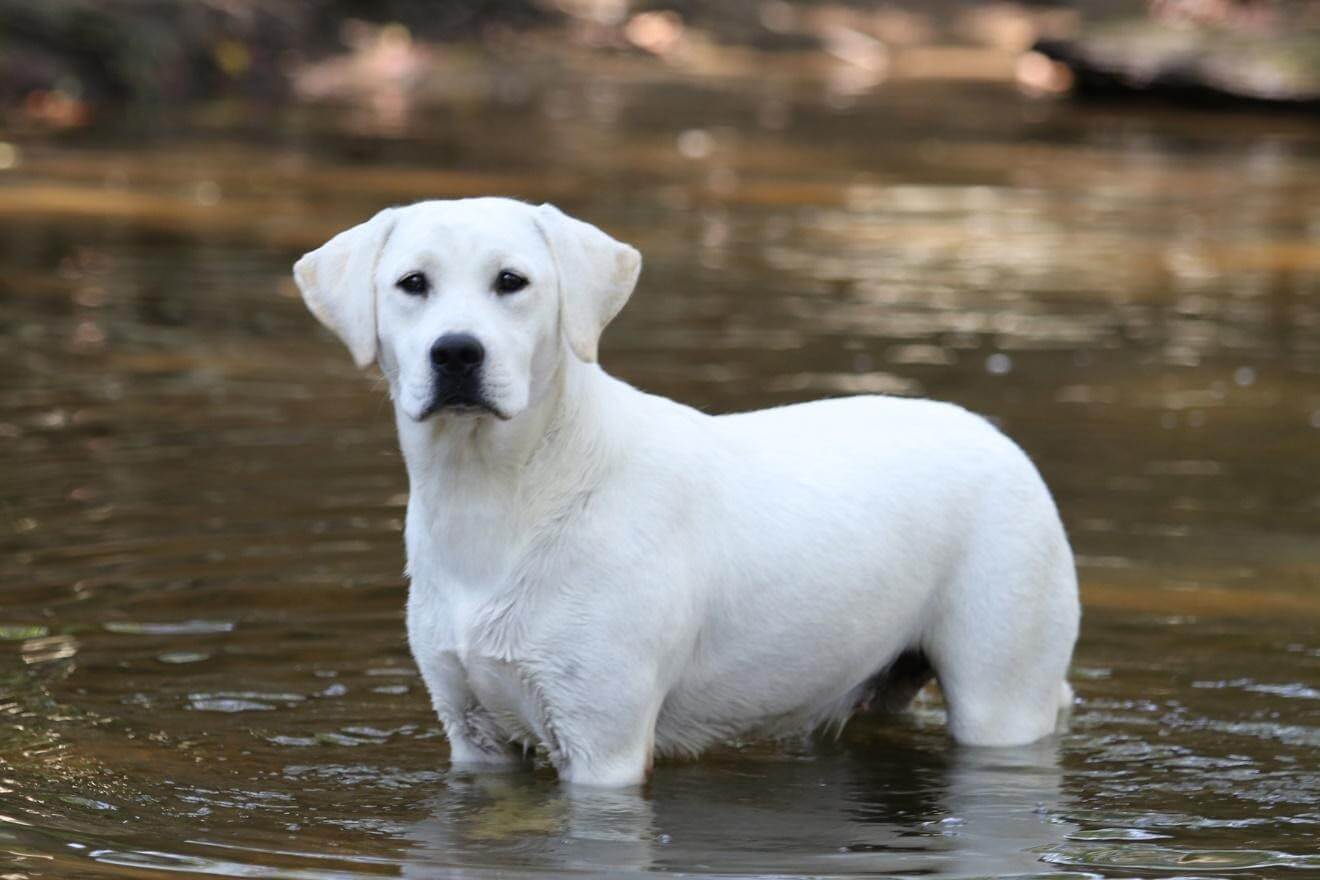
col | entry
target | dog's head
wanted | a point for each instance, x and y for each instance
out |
(468, 305)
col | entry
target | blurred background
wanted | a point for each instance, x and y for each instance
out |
(1098, 223)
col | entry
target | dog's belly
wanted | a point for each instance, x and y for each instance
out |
(759, 692)
(692, 721)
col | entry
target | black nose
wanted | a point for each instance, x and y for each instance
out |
(457, 354)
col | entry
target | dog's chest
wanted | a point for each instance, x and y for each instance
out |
(470, 642)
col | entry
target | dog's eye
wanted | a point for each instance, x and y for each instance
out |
(509, 282)
(414, 283)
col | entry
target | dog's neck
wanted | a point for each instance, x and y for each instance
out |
(477, 477)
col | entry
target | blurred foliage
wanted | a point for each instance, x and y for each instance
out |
(60, 59)
(89, 50)
(1210, 53)
(112, 50)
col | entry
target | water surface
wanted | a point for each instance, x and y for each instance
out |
(202, 657)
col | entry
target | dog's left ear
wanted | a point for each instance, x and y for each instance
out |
(338, 283)
(596, 276)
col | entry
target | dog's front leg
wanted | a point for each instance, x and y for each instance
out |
(611, 764)
(598, 725)
(474, 739)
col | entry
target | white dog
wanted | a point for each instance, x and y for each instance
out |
(613, 575)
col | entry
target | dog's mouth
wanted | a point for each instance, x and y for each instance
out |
(459, 403)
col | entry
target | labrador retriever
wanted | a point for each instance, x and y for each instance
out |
(611, 575)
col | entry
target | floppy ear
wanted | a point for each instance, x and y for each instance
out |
(596, 276)
(338, 283)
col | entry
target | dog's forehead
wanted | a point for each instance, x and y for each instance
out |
(469, 227)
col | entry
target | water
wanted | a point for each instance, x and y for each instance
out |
(202, 662)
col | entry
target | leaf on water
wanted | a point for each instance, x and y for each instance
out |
(12, 632)
(182, 656)
(174, 628)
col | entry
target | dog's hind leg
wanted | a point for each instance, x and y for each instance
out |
(1003, 641)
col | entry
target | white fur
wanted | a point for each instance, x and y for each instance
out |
(611, 575)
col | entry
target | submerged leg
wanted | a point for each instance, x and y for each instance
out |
(1002, 650)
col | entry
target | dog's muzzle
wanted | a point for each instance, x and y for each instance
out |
(456, 360)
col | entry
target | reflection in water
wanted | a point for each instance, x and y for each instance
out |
(846, 812)
(510, 821)
(202, 663)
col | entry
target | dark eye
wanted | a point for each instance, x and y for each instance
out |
(509, 282)
(414, 283)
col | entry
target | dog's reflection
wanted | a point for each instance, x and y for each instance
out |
(847, 808)
(514, 820)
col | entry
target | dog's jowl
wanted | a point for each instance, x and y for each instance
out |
(613, 575)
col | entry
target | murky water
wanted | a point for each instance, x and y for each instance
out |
(202, 661)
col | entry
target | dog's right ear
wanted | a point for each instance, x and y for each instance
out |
(338, 283)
